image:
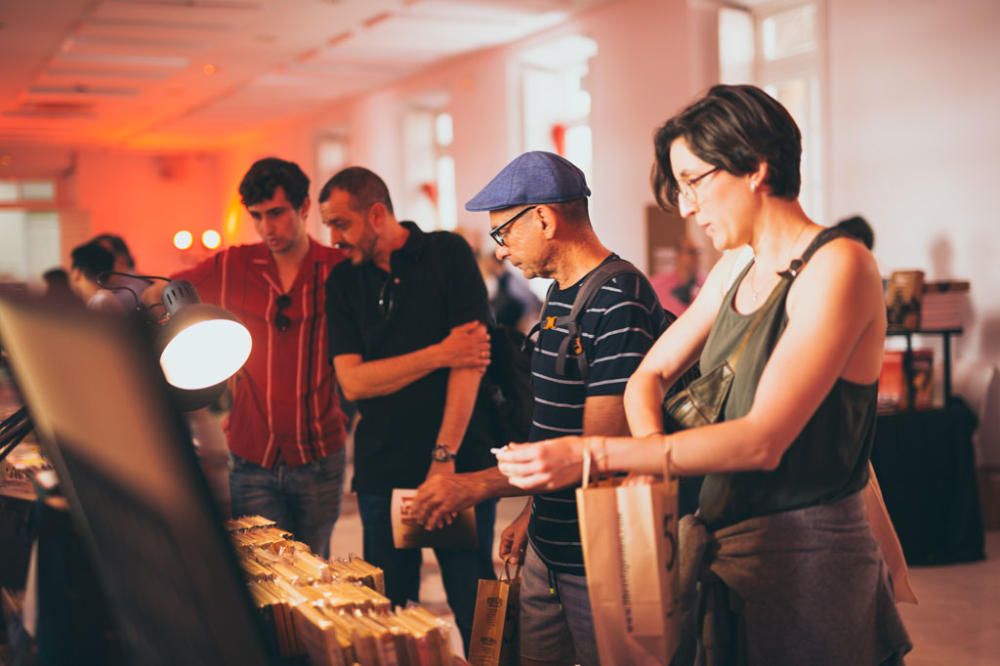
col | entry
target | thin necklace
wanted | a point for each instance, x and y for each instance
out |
(753, 289)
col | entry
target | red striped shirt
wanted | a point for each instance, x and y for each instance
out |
(285, 404)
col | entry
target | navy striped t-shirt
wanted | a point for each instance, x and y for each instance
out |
(623, 320)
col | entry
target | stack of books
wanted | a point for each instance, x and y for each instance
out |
(894, 385)
(333, 612)
(944, 303)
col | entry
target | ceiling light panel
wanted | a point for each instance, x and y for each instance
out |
(132, 41)
(124, 59)
(428, 36)
(86, 91)
(192, 5)
(120, 73)
(157, 24)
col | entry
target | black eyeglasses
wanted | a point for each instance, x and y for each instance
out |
(281, 320)
(387, 297)
(498, 233)
(687, 189)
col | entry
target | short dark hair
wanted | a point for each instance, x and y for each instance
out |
(734, 128)
(92, 259)
(117, 246)
(55, 277)
(268, 174)
(575, 211)
(364, 186)
(859, 228)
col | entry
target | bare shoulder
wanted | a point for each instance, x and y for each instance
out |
(843, 269)
(845, 257)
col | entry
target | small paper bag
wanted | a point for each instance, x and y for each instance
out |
(629, 538)
(494, 639)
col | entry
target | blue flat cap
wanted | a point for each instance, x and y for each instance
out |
(537, 177)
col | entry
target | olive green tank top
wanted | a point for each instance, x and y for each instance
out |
(828, 460)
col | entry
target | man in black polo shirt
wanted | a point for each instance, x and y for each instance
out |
(539, 219)
(406, 321)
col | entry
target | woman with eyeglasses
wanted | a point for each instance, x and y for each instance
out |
(790, 573)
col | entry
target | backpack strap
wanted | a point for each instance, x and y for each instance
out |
(573, 342)
(529, 339)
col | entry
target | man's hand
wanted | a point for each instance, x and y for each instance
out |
(467, 346)
(442, 495)
(514, 538)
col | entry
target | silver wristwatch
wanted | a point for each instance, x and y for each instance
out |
(442, 453)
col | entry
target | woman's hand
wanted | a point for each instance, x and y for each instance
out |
(546, 465)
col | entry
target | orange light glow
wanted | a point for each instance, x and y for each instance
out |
(211, 239)
(183, 239)
(209, 69)
(231, 225)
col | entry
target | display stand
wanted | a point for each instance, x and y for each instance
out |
(945, 334)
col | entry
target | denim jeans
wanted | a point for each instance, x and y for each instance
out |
(304, 500)
(460, 569)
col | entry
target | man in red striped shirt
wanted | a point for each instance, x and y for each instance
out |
(286, 429)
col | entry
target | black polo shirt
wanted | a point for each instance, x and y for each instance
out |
(435, 285)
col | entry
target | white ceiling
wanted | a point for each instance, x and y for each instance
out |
(183, 73)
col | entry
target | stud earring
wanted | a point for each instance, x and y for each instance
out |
(753, 186)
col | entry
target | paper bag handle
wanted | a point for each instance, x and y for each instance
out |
(505, 576)
(588, 457)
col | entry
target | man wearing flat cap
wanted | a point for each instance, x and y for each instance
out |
(406, 323)
(540, 221)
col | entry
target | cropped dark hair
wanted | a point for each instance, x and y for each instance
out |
(576, 210)
(364, 186)
(733, 128)
(267, 174)
(92, 259)
(117, 246)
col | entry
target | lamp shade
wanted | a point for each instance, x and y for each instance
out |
(201, 345)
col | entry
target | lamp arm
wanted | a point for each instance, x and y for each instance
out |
(13, 429)
(105, 274)
(102, 281)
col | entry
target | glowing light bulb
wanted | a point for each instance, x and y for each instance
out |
(183, 239)
(211, 239)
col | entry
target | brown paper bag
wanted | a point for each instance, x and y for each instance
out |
(885, 535)
(494, 639)
(408, 533)
(629, 538)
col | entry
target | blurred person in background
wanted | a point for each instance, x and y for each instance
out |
(677, 288)
(87, 263)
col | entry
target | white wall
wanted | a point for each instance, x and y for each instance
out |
(915, 140)
(653, 57)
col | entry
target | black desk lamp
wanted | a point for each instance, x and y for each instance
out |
(200, 345)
